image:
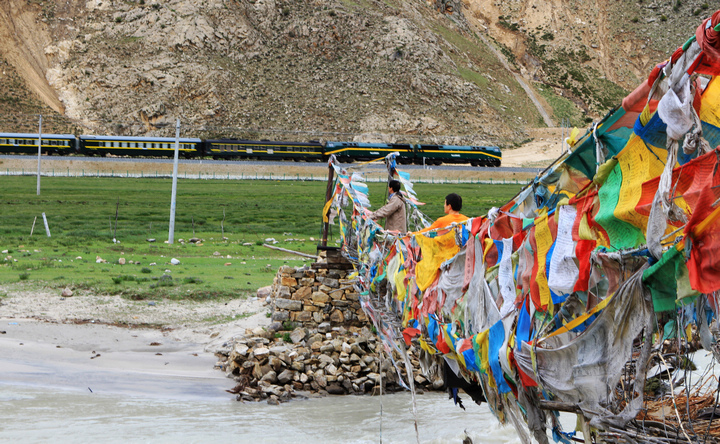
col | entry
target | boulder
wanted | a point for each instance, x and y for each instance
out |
(264, 292)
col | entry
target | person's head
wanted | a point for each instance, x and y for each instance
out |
(453, 202)
(394, 185)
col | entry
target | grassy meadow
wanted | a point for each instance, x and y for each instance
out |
(81, 215)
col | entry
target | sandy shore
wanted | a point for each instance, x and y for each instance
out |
(76, 342)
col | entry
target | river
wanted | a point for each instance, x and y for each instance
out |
(36, 414)
(65, 383)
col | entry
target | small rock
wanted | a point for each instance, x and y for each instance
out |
(298, 335)
(175, 261)
(67, 293)
(121, 261)
(286, 376)
(335, 389)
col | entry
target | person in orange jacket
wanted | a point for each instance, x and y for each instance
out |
(453, 205)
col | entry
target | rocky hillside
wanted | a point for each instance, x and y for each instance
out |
(312, 69)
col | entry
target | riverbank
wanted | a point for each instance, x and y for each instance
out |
(107, 344)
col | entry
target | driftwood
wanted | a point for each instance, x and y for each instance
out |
(311, 256)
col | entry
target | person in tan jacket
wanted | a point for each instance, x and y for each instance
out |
(393, 211)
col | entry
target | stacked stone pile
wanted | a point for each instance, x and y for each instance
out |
(315, 362)
(319, 343)
(310, 297)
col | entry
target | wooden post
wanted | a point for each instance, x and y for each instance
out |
(328, 195)
(47, 227)
(117, 211)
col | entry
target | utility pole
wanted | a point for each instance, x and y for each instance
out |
(39, 153)
(171, 236)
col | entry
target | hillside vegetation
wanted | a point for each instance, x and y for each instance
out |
(381, 70)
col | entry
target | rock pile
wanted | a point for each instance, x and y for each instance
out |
(319, 343)
(312, 297)
(305, 362)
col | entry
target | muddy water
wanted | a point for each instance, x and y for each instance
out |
(98, 384)
(31, 413)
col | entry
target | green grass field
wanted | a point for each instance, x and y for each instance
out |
(81, 214)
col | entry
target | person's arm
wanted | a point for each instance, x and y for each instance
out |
(387, 209)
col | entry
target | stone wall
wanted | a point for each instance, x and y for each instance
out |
(310, 298)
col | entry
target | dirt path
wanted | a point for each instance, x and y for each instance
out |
(531, 94)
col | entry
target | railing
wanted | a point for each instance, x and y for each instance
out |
(242, 176)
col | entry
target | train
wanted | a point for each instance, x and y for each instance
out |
(238, 149)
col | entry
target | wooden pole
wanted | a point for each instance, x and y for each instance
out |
(290, 251)
(33, 227)
(328, 195)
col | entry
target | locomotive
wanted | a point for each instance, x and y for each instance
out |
(238, 149)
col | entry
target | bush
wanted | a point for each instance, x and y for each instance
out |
(145, 270)
(289, 325)
(24, 276)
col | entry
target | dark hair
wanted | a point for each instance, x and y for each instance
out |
(454, 200)
(394, 185)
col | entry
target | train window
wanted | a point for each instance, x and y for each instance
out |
(11, 141)
(108, 144)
